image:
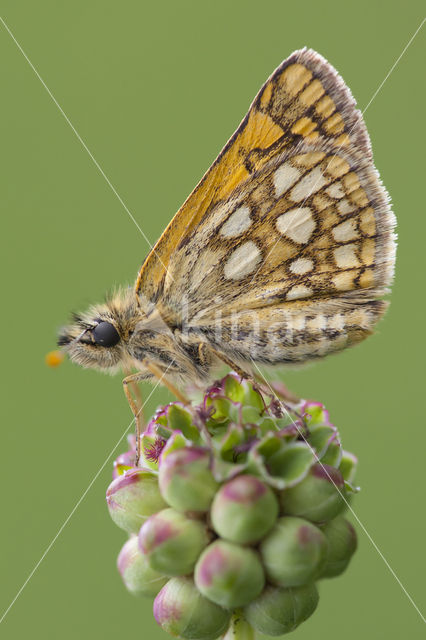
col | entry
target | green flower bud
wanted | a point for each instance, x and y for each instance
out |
(294, 552)
(244, 510)
(137, 575)
(342, 543)
(277, 611)
(186, 481)
(319, 497)
(133, 497)
(172, 542)
(229, 575)
(182, 611)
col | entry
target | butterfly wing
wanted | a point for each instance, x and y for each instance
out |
(304, 98)
(289, 233)
(305, 246)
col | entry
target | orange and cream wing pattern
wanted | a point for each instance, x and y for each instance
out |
(304, 100)
(314, 222)
(293, 264)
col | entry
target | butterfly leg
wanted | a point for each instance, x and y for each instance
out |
(244, 375)
(161, 377)
(136, 393)
(130, 382)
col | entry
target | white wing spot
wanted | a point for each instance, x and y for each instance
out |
(318, 323)
(297, 323)
(309, 184)
(337, 322)
(284, 177)
(242, 261)
(335, 190)
(301, 266)
(299, 291)
(345, 256)
(237, 223)
(298, 224)
(345, 231)
(344, 207)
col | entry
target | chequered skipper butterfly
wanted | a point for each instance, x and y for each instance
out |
(281, 254)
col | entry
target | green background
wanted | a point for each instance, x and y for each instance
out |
(155, 89)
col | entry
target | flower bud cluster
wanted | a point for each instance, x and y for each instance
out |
(236, 508)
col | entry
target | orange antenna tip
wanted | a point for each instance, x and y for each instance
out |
(54, 358)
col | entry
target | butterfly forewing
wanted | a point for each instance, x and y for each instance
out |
(303, 99)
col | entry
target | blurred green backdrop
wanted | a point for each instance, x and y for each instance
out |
(155, 89)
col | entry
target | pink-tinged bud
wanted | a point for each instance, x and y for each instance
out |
(229, 575)
(132, 498)
(172, 542)
(186, 481)
(278, 611)
(244, 510)
(137, 575)
(342, 543)
(319, 497)
(293, 553)
(182, 611)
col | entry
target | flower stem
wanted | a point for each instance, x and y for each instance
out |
(239, 629)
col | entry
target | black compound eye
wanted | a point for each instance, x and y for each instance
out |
(105, 334)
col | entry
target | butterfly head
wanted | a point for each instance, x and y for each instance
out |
(98, 338)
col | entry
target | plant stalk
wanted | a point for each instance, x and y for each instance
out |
(239, 629)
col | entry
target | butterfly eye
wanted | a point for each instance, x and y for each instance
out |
(105, 334)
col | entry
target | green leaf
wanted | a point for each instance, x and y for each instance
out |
(280, 463)
(267, 425)
(217, 429)
(324, 439)
(319, 438)
(269, 445)
(233, 389)
(259, 453)
(348, 465)
(252, 398)
(250, 414)
(162, 420)
(222, 407)
(333, 455)
(181, 420)
(290, 464)
(317, 414)
(233, 437)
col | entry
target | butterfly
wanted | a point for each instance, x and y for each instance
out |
(280, 255)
